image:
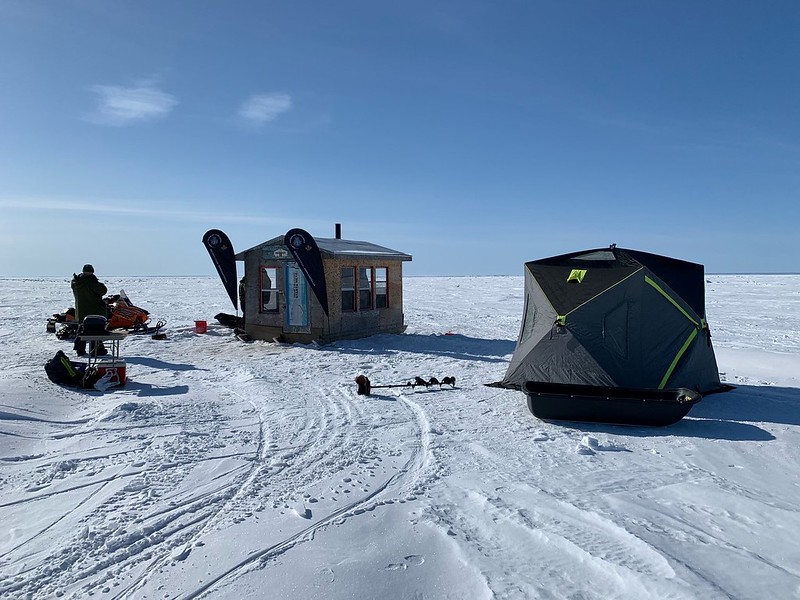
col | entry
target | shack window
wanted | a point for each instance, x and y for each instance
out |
(348, 289)
(381, 287)
(364, 288)
(269, 289)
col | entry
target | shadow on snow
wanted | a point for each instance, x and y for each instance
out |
(452, 346)
(727, 416)
(160, 364)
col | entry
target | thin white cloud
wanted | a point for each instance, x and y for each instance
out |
(119, 106)
(129, 208)
(262, 108)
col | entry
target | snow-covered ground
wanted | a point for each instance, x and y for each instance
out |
(232, 470)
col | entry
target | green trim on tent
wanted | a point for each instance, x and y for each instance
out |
(661, 291)
(611, 287)
(561, 320)
(576, 276)
(675, 360)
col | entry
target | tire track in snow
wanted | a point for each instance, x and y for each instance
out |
(408, 477)
(103, 545)
(212, 517)
(528, 536)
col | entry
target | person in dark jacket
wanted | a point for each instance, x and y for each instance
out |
(88, 292)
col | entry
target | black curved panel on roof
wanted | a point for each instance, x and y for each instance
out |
(608, 266)
(604, 267)
(685, 278)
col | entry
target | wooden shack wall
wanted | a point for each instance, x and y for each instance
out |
(361, 323)
(340, 324)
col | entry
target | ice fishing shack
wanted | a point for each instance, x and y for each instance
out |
(297, 288)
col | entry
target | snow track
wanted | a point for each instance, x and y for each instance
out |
(303, 459)
(229, 470)
(342, 417)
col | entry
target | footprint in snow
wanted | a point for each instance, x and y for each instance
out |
(181, 554)
(412, 560)
(303, 512)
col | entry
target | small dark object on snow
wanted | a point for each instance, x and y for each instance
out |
(159, 336)
(68, 331)
(364, 385)
(94, 325)
(62, 371)
(231, 321)
(242, 335)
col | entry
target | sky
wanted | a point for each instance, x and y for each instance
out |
(472, 135)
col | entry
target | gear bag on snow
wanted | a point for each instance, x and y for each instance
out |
(60, 370)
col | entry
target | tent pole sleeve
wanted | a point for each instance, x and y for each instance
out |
(660, 290)
(675, 360)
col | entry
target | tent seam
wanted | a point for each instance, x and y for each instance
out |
(564, 317)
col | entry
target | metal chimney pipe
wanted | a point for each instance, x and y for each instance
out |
(338, 231)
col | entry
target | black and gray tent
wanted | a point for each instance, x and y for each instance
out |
(613, 322)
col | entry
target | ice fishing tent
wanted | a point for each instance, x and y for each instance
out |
(615, 318)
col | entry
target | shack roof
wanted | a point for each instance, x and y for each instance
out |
(335, 247)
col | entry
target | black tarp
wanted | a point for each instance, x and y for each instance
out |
(221, 251)
(305, 251)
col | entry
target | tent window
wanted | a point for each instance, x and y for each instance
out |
(615, 330)
(528, 321)
(604, 255)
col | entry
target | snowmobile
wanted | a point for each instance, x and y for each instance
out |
(122, 314)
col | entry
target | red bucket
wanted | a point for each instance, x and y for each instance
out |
(200, 326)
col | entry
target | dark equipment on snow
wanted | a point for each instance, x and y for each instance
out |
(365, 385)
(62, 371)
(613, 335)
(626, 406)
(94, 325)
(231, 321)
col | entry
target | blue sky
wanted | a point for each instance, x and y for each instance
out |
(472, 135)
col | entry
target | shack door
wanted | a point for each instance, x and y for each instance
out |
(297, 311)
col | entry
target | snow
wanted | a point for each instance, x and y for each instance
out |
(226, 469)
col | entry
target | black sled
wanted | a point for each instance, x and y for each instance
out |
(601, 404)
